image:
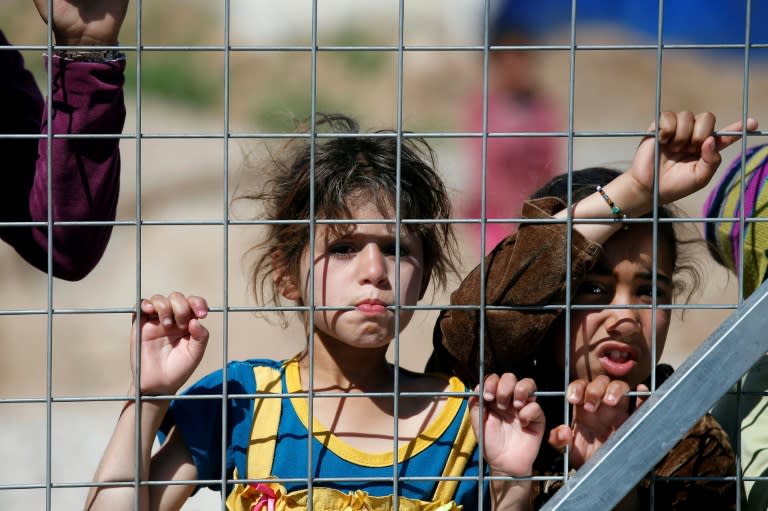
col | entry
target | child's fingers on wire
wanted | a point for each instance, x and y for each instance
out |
(505, 390)
(145, 307)
(524, 393)
(594, 392)
(490, 385)
(616, 392)
(709, 160)
(532, 416)
(198, 331)
(161, 309)
(199, 306)
(667, 126)
(703, 127)
(684, 129)
(642, 399)
(509, 388)
(560, 437)
(575, 393)
(724, 141)
(181, 309)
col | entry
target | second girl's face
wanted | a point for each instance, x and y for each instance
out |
(616, 341)
(356, 270)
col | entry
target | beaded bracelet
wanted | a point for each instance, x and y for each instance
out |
(89, 55)
(618, 214)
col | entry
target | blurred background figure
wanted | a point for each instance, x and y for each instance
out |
(515, 166)
(520, 102)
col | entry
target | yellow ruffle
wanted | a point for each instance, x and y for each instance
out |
(250, 498)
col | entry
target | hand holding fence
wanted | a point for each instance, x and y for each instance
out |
(599, 406)
(173, 341)
(85, 22)
(689, 155)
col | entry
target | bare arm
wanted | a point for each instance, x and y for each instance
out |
(118, 464)
(172, 344)
(689, 157)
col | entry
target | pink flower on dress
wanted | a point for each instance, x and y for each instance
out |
(264, 494)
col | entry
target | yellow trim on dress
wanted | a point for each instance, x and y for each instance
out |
(461, 452)
(380, 459)
(263, 440)
(272, 496)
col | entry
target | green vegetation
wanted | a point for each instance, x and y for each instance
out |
(178, 77)
(280, 113)
(361, 62)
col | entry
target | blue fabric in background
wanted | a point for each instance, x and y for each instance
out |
(685, 21)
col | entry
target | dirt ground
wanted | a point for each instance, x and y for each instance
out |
(184, 180)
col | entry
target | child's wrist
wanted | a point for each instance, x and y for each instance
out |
(636, 198)
(510, 494)
(495, 472)
(131, 400)
(86, 38)
(148, 392)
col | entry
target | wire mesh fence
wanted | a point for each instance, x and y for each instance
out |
(211, 84)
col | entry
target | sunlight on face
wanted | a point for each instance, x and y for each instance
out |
(356, 269)
(618, 341)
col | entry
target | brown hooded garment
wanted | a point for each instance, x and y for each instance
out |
(525, 281)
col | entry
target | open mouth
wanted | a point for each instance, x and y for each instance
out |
(617, 360)
(617, 356)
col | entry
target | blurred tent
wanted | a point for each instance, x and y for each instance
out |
(683, 22)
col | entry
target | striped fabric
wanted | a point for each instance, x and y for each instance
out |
(724, 202)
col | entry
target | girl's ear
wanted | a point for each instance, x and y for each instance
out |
(287, 287)
(284, 282)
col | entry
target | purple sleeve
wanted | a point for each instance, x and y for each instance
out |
(87, 98)
(22, 106)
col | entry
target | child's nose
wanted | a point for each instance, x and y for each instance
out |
(623, 322)
(372, 265)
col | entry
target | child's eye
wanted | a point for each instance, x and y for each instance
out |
(392, 250)
(591, 288)
(342, 249)
(662, 295)
(592, 293)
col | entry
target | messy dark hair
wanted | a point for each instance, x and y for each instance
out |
(349, 168)
(585, 181)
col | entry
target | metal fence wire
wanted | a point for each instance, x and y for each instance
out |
(64, 346)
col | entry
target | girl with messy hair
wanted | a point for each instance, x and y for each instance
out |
(357, 230)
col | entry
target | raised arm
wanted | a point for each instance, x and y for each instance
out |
(87, 98)
(85, 22)
(173, 341)
(689, 156)
(528, 269)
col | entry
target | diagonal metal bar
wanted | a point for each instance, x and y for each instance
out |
(670, 411)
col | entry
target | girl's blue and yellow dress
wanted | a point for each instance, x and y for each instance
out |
(266, 438)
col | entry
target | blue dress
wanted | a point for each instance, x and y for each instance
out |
(274, 448)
